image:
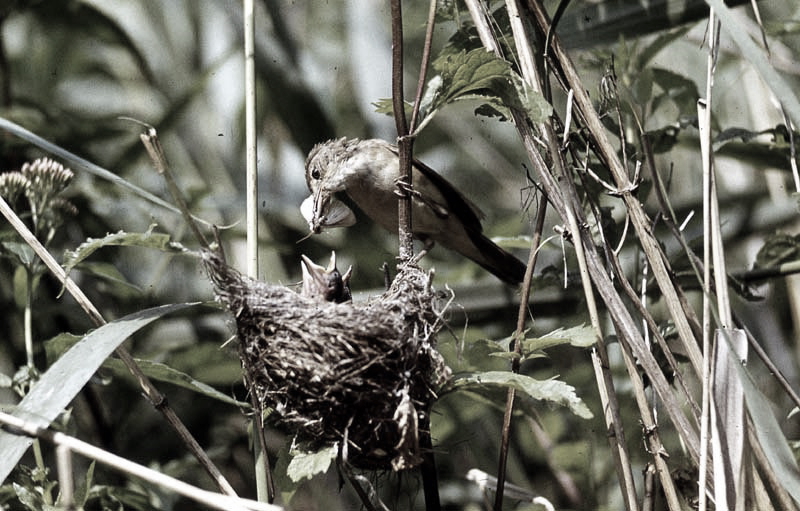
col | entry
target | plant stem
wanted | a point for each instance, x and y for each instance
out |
(522, 316)
(27, 316)
(406, 241)
(404, 143)
(156, 399)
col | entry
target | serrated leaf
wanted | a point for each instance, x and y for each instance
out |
(164, 373)
(66, 377)
(579, 336)
(470, 72)
(554, 391)
(147, 239)
(479, 73)
(305, 465)
(386, 106)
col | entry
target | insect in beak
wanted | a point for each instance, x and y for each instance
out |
(322, 212)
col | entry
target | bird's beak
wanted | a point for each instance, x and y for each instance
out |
(325, 284)
(312, 272)
(322, 211)
(332, 267)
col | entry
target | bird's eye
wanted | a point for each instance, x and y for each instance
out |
(315, 174)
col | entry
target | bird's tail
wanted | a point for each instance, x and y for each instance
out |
(500, 263)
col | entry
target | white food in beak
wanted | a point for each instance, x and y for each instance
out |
(336, 214)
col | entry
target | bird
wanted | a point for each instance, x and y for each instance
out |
(368, 172)
(325, 283)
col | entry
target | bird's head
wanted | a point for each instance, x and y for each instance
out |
(325, 283)
(327, 173)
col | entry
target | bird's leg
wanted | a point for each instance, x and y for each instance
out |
(404, 188)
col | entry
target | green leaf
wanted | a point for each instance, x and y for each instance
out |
(386, 106)
(768, 431)
(579, 336)
(66, 377)
(111, 274)
(21, 251)
(82, 489)
(147, 239)
(678, 88)
(471, 72)
(479, 73)
(164, 373)
(28, 498)
(60, 344)
(554, 391)
(305, 465)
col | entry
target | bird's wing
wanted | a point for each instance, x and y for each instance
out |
(469, 214)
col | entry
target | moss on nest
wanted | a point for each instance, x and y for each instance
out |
(360, 374)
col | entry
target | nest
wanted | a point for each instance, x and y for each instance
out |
(360, 375)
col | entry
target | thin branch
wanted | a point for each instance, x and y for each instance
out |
(423, 67)
(522, 316)
(406, 242)
(639, 218)
(19, 426)
(405, 143)
(251, 160)
(626, 328)
(600, 360)
(156, 399)
(156, 152)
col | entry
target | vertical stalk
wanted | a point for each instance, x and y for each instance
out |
(405, 143)
(250, 137)
(264, 482)
(28, 318)
(704, 123)
(522, 315)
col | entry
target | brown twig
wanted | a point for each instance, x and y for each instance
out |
(522, 317)
(153, 146)
(404, 143)
(626, 327)
(406, 147)
(156, 152)
(423, 68)
(156, 399)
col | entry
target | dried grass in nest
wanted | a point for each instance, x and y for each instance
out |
(363, 375)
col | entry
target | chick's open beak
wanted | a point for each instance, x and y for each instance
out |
(325, 284)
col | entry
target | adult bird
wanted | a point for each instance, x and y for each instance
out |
(368, 171)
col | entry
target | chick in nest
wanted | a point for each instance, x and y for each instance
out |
(325, 283)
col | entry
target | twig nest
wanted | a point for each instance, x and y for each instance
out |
(360, 375)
